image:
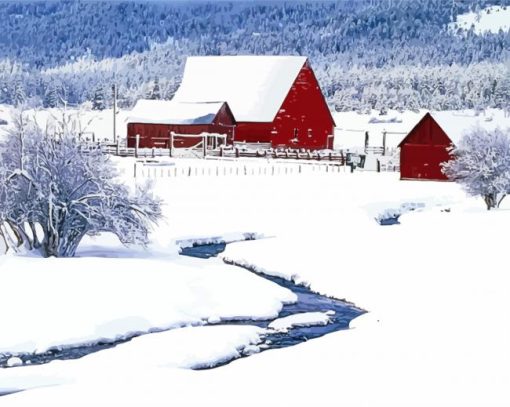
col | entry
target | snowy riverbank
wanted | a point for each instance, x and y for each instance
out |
(435, 287)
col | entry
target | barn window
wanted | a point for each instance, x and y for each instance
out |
(309, 133)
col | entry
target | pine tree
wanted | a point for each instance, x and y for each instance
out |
(18, 97)
(98, 102)
(51, 97)
(156, 92)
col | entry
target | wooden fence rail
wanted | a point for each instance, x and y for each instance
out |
(332, 156)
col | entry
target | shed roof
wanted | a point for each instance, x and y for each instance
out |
(457, 124)
(253, 86)
(172, 112)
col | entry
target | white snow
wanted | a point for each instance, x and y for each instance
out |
(14, 361)
(300, 320)
(171, 112)
(63, 302)
(490, 19)
(436, 288)
(183, 348)
(456, 124)
(241, 81)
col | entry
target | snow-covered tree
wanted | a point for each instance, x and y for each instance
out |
(481, 164)
(156, 91)
(99, 102)
(51, 181)
(18, 97)
(51, 97)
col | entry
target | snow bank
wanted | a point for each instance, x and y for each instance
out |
(300, 320)
(435, 286)
(59, 302)
(155, 354)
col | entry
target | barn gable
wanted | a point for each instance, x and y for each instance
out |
(427, 132)
(255, 87)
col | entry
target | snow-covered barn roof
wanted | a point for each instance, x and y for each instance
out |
(172, 112)
(253, 86)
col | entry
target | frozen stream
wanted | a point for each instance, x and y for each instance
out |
(340, 313)
(312, 316)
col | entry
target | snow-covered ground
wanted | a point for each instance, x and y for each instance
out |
(303, 319)
(83, 300)
(435, 286)
(490, 19)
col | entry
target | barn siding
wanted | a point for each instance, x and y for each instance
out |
(304, 110)
(158, 135)
(423, 151)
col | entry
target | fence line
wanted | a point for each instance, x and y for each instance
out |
(237, 171)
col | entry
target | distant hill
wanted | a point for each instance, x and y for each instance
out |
(73, 48)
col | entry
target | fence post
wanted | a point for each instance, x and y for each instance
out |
(118, 146)
(221, 150)
(171, 143)
(237, 152)
(137, 144)
(153, 152)
(204, 142)
(378, 165)
(384, 142)
(134, 169)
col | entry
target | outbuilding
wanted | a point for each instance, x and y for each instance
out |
(426, 146)
(153, 121)
(423, 150)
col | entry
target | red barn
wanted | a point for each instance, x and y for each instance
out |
(423, 150)
(274, 99)
(154, 120)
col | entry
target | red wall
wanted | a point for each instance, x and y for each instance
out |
(304, 113)
(423, 151)
(304, 110)
(158, 135)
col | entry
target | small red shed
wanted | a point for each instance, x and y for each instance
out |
(423, 150)
(154, 120)
(274, 99)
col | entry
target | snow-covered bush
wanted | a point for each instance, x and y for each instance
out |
(481, 164)
(53, 183)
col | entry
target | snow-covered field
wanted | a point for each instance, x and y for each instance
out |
(435, 286)
(490, 19)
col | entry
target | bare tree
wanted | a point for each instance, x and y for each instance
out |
(55, 184)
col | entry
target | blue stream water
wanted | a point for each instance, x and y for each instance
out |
(308, 301)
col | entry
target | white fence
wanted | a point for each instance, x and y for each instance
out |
(240, 170)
